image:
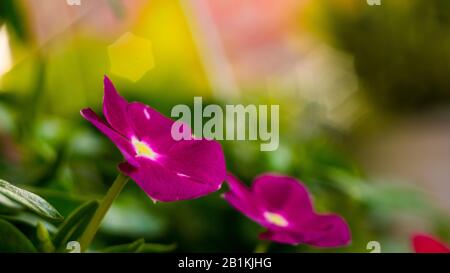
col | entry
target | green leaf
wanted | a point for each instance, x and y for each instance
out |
(45, 243)
(7, 206)
(29, 200)
(126, 248)
(157, 248)
(11, 13)
(72, 228)
(27, 218)
(117, 7)
(6, 202)
(13, 240)
(139, 246)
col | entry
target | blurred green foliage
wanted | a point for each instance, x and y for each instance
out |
(401, 50)
(48, 149)
(10, 13)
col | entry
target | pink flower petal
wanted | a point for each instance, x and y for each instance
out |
(286, 237)
(123, 144)
(241, 199)
(283, 205)
(423, 243)
(283, 194)
(166, 169)
(200, 160)
(164, 185)
(323, 231)
(326, 231)
(115, 108)
(151, 126)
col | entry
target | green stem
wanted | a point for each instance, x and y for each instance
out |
(94, 224)
(262, 246)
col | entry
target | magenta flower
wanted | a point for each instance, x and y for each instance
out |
(283, 205)
(424, 243)
(166, 169)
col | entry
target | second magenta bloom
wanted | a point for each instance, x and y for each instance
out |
(166, 169)
(424, 243)
(283, 206)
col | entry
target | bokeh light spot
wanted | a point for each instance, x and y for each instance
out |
(131, 56)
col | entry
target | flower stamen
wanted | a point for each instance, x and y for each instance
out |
(142, 149)
(275, 219)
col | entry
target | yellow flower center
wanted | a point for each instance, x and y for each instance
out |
(276, 219)
(142, 149)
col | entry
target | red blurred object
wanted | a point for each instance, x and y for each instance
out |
(423, 243)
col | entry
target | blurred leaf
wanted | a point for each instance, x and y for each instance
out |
(128, 217)
(353, 186)
(52, 169)
(8, 203)
(390, 197)
(65, 200)
(117, 8)
(139, 246)
(27, 218)
(126, 248)
(75, 224)
(45, 243)
(29, 200)
(12, 240)
(380, 195)
(10, 13)
(371, 36)
(157, 248)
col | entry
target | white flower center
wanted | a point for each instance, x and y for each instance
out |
(142, 149)
(275, 219)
